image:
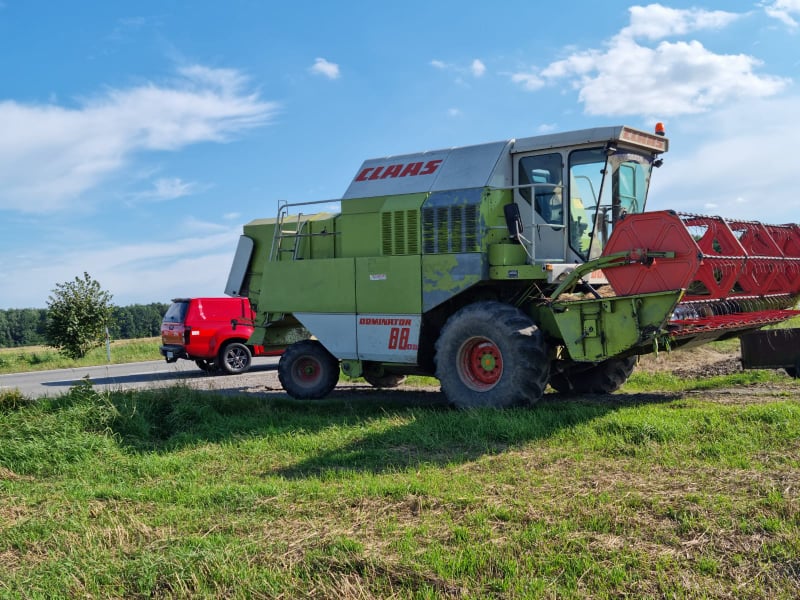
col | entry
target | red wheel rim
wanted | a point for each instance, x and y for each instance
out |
(307, 371)
(480, 363)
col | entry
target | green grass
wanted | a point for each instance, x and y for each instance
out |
(42, 358)
(666, 381)
(179, 492)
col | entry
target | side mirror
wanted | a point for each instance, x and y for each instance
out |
(513, 221)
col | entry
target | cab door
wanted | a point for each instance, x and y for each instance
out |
(540, 195)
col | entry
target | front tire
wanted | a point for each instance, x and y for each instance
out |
(234, 358)
(602, 378)
(491, 354)
(307, 371)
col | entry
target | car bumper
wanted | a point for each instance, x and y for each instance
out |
(173, 352)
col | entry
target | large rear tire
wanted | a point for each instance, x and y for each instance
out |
(491, 354)
(307, 371)
(603, 378)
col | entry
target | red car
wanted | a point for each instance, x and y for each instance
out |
(213, 332)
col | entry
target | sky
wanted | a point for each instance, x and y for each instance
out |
(136, 138)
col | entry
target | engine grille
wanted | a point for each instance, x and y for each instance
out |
(400, 232)
(450, 229)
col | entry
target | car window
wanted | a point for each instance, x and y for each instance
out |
(176, 313)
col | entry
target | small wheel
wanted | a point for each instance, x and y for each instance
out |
(209, 366)
(235, 358)
(387, 380)
(491, 354)
(307, 371)
(602, 378)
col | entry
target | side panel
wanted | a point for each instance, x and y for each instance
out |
(239, 267)
(336, 332)
(324, 285)
(469, 166)
(446, 275)
(384, 338)
(388, 284)
(261, 232)
(359, 234)
(388, 337)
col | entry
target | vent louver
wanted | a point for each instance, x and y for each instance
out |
(450, 229)
(400, 233)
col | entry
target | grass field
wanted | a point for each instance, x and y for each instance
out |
(178, 492)
(42, 358)
(676, 487)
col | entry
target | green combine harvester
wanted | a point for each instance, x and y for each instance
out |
(505, 267)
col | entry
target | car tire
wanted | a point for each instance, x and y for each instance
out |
(234, 358)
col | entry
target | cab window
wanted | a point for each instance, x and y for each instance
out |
(540, 184)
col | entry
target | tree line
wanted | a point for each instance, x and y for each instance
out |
(27, 326)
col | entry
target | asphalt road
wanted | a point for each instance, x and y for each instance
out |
(127, 376)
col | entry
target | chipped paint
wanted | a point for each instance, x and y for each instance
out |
(446, 275)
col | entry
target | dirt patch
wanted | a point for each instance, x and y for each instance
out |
(703, 361)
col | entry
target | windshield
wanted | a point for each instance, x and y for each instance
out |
(603, 188)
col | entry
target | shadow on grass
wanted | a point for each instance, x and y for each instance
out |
(360, 429)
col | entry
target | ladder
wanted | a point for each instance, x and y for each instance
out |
(286, 240)
(282, 233)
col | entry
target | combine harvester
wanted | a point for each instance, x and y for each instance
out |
(504, 267)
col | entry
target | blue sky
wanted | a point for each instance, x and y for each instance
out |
(137, 138)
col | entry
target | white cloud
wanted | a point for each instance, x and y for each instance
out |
(454, 112)
(134, 273)
(529, 81)
(476, 68)
(736, 158)
(783, 11)
(167, 188)
(325, 68)
(50, 154)
(656, 21)
(671, 78)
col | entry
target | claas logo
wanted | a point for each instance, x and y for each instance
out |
(400, 170)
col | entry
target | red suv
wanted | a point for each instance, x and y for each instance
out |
(212, 332)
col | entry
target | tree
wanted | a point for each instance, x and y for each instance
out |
(78, 313)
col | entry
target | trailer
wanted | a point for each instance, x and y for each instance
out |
(772, 349)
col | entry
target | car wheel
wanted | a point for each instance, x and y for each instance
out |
(235, 358)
